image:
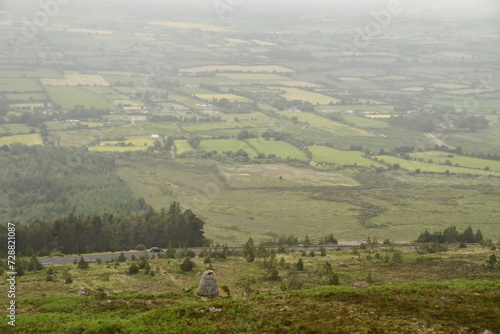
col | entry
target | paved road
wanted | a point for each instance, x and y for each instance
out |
(108, 256)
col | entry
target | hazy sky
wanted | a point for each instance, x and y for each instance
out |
(297, 7)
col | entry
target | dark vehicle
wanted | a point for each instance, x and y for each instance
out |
(156, 250)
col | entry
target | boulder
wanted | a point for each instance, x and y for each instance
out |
(208, 284)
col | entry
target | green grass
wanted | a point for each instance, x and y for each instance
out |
(281, 149)
(364, 122)
(327, 154)
(132, 144)
(19, 85)
(250, 199)
(15, 129)
(225, 145)
(449, 292)
(442, 157)
(335, 128)
(68, 97)
(31, 73)
(412, 165)
(31, 140)
(183, 146)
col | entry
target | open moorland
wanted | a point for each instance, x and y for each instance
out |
(368, 289)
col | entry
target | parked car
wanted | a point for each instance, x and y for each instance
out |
(156, 250)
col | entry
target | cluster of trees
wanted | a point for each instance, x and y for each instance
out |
(451, 234)
(283, 104)
(419, 122)
(46, 182)
(235, 106)
(430, 121)
(102, 233)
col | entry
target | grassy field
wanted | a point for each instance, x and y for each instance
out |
(75, 78)
(327, 154)
(403, 291)
(230, 97)
(281, 149)
(241, 201)
(32, 139)
(238, 68)
(15, 129)
(19, 85)
(304, 95)
(226, 145)
(365, 122)
(412, 165)
(130, 144)
(335, 128)
(68, 97)
(442, 157)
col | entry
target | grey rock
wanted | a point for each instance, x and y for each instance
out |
(208, 284)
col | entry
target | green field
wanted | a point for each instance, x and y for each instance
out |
(281, 149)
(30, 140)
(442, 157)
(15, 129)
(349, 158)
(69, 97)
(130, 144)
(19, 85)
(250, 198)
(226, 145)
(364, 122)
(405, 289)
(183, 146)
(412, 165)
(335, 128)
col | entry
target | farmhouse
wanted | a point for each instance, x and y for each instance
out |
(155, 136)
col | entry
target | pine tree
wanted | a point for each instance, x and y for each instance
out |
(187, 265)
(300, 265)
(82, 264)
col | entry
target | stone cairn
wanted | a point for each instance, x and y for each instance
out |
(208, 284)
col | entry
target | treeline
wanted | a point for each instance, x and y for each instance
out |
(107, 233)
(450, 235)
(172, 118)
(46, 182)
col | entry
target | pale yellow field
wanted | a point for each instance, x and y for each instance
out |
(238, 68)
(128, 74)
(304, 95)
(237, 41)
(448, 86)
(191, 25)
(467, 91)
(263, 43)
(75, 78)
(378, 116)
(350, 79)
(413, 89)
(455, 54)
(299, 84)
(30, 140)
(91, 31)
(31, 105)
(230, 97)
(133, 103)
